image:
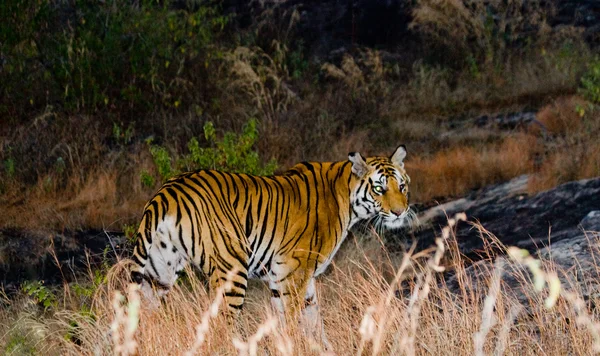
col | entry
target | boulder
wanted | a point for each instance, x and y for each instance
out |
(560, 226)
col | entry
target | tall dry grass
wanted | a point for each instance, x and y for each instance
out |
(373, 302)
(457, 170)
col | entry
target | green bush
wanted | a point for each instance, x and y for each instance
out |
(162, 161)
(40, 293)
(232, 153)
(147, 179)
(114, 54)
(590, 82)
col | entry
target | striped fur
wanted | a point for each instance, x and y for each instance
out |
(283, 229)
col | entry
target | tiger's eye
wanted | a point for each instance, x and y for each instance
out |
(378, 189)
(402, 187)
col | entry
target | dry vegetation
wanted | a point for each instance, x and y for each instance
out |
(372, 303)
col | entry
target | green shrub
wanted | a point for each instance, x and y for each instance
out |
(162, 161)
(232, 153)
(147, 179)
(590, 82)
(91, 55)
(40, 293)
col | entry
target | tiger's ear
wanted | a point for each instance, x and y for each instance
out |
(398, 156)
(359, 165)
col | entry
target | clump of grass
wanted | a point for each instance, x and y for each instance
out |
(573, 152)
(564, 116)
(458, 170)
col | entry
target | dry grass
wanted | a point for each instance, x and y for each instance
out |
(365, 308)
(563, 116)
(572, 127)
(560, 146)
(107, 196)
(457, 170)
(564, 165)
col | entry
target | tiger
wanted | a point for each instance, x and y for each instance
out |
(283, 229)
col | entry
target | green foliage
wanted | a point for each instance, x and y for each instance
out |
(9, 167)
(83, 291)
(87, 290)
(232, 153)
(590, 82)
(98, 55)
(130, 232)
(147, 179)
(121, 135)
(40, 293)
(162, 161)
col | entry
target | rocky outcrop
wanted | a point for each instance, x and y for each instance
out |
(516, 218)
(31, 255)
(560, 226)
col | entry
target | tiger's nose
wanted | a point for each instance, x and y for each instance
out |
(398, 212)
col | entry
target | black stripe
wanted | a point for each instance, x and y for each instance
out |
(249, 223)
(154, 205)
(138, 261)
(233, 294)
(181, 240)
(240, 285)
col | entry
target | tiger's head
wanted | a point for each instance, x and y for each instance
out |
(381, 193)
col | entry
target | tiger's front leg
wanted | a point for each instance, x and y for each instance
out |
(311, 320)
(294, 299)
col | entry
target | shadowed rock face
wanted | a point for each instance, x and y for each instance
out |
(28, 255)
(517, 219)
(561, 225)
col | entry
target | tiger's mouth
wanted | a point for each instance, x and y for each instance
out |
(393, 221)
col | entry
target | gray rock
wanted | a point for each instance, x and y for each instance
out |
(591, 222)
